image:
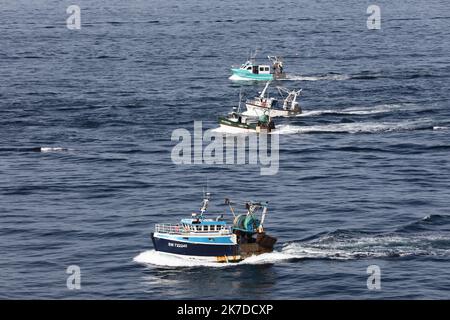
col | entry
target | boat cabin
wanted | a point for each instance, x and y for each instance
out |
(205, 225)
(255, 69)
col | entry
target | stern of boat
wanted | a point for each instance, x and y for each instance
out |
(263, 244)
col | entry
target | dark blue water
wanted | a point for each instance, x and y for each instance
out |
(364, 175)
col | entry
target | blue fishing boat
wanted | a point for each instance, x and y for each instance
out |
(212, 239)
(259, 72)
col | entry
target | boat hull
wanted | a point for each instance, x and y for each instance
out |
(193, 249)
(219, 259)
(240, 74)
(231, 130)
(241, 127)
(214, 252)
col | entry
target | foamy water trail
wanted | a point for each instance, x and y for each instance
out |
(338, 246)
(382, 108)
(440, 128)
(334, 77)
(152, 257)
(355, 127)
(231, 131)
(156, 258)
(334, 246)
(53, 149)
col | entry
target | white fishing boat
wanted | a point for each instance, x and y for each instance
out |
(265, 105)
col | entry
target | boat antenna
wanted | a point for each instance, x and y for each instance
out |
(206, 198)
(253, 55)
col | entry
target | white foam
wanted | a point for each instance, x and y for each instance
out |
(230, 130)
(335, 77)
(235, 77)
(53, 149)
(266, 258)
(235, 131)
(331, 246)
(166, 260)
(152, 257)
(438, 128)
(354, 127)
(383, 108)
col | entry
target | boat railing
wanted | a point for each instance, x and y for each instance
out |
(179, 229)
(169, 228)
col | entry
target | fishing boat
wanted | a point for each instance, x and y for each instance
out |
(213, 240)
(238, 122)
(263, 104)
(250, 70)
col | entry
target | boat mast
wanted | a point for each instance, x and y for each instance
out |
(291, 97)
(206, 197)
(277, 63)
(253, 56)
(240, 101)
(264, 90)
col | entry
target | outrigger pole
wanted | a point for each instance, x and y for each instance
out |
(264, 90)
(265, 208)
(291, 96)
(228, 202)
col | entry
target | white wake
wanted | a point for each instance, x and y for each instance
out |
(330, 246)
(333, 77)
(152, 257)
(382, 108)
(440, 128)
(54, 149)
(354, 127)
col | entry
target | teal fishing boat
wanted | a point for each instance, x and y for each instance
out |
(259, 72)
